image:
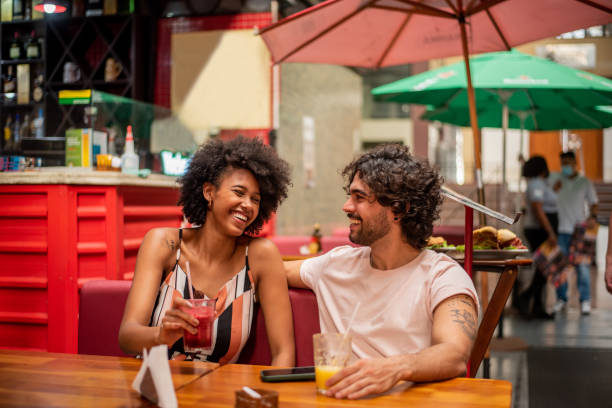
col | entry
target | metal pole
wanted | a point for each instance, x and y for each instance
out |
(473, 116)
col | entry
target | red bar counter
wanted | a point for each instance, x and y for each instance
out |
(61, 227)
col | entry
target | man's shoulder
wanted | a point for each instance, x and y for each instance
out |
(438, 263)
(346, 252)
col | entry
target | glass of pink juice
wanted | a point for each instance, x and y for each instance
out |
(204, 311)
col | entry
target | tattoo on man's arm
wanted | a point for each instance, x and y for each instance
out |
(466, 321)
(466, 301)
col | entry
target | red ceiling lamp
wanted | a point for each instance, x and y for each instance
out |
(51, 6)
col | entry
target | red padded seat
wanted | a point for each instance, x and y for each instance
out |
(100, 313)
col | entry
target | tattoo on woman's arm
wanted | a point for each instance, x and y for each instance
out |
(171, 244)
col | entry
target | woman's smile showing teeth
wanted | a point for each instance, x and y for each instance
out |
(241, 217)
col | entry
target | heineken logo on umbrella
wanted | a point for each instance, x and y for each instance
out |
(525, 80)
(432, 80)
(592, 78)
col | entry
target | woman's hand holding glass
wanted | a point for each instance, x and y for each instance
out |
(175, 322)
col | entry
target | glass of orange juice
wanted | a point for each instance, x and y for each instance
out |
(332, 352)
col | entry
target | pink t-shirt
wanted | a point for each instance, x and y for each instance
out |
(396, 312)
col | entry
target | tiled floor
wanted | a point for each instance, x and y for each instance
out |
(568, 329)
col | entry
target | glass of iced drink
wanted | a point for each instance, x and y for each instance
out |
(204, 311)
(332, 352)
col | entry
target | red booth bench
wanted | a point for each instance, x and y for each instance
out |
(101, 309)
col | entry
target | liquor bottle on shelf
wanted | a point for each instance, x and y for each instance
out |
(37, 90)
(7, 133)
(27, 9)
(125, 6)
(37, 15)
(78, 8)
(25, 127)
(15, 49)
(16, 132)
(6, 12)
(9, 85)
(110, 7)
(18, 10)
(32, 47)
(94, 8)
(38, 125)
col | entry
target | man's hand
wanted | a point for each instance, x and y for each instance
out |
(365, 377)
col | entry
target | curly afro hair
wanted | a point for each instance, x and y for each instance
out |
(406, 184)
(215, 157)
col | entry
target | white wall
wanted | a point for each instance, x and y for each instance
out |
(492, 149)
(607, 155)
(387, 130)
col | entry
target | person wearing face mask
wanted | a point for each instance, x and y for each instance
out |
(577, 204)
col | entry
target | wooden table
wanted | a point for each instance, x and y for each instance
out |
(217, 389)
(39, 379)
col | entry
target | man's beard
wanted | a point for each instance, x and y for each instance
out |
(371, 231)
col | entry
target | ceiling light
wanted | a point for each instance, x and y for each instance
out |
(51, 6)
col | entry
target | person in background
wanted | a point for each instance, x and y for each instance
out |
(418, 313)
(577, 202)
(608, 273)
(540, 224)
(229, 190)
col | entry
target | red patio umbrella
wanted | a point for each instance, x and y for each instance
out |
(378, 33)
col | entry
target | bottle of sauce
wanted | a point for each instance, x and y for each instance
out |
(129, 159)
(314, 246)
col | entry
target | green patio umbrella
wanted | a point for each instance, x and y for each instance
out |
(522, 82)
(505, 82)
(537, 119)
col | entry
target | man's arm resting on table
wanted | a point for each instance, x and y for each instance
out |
(455, 324)
(292, 269)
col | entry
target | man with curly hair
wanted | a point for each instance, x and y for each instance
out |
(417, 310)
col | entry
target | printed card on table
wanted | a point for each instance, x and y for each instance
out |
(154, 380)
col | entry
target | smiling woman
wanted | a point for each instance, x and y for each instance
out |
(229, 190)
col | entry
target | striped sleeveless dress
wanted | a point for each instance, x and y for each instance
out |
(233, 317)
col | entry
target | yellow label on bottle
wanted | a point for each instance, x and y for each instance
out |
(85, 140)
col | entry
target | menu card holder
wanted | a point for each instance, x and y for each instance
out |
(154, 381)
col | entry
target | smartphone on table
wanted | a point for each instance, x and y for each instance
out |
(288, 374)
